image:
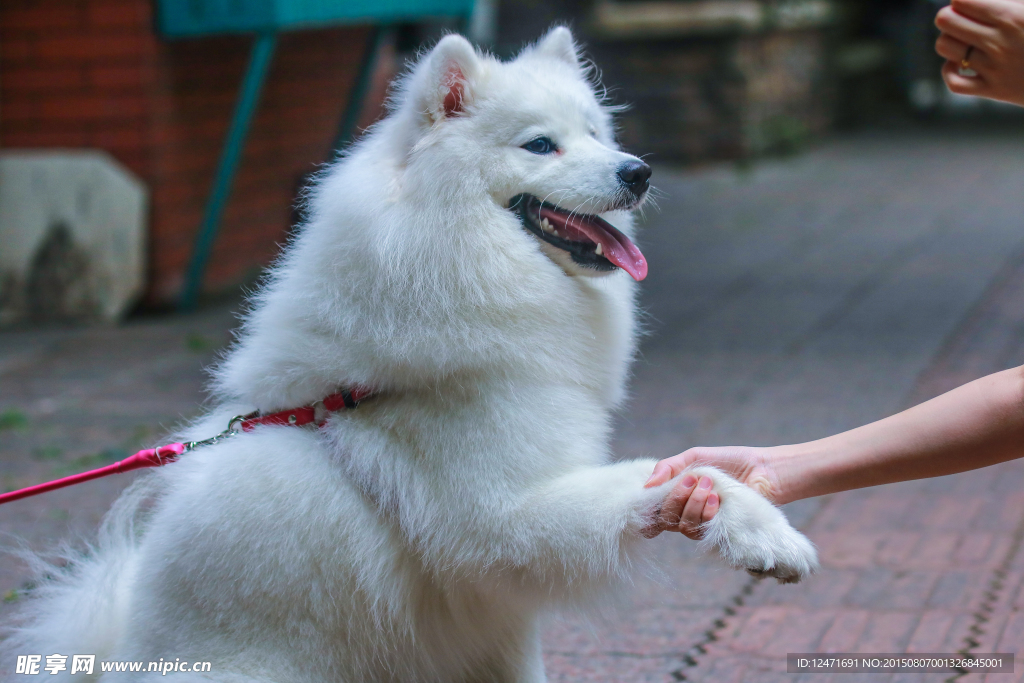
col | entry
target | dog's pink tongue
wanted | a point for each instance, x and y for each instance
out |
(617, 248)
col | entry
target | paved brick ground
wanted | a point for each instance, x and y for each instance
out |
(785, 302)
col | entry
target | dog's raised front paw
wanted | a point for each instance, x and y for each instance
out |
(792, 556)
(752, 534)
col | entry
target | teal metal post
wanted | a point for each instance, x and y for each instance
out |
(256, 73)
(357, 98)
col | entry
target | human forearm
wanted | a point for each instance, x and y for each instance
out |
(975, 425)
(978, 424)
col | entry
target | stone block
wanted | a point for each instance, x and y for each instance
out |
(72, 237)
(718, 79)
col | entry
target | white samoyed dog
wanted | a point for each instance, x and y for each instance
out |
(460, 261)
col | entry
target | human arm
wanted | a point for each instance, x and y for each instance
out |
(994, 30)
(978, 424)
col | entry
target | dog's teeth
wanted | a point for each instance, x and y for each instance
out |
(599, 250)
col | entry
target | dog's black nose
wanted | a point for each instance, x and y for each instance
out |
(635, 175)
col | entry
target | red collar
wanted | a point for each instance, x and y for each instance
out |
(314, 413)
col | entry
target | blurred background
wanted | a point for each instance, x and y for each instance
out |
(835, 237)
(158, 93)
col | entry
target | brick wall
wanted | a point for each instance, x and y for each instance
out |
(92, 73)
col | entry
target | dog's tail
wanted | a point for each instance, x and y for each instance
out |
(79, 601)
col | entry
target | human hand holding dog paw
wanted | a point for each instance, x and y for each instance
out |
(728, 515)
(690, 504)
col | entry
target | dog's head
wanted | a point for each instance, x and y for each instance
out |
(534, 137)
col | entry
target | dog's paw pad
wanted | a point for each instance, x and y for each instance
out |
(790, 556)
(782, 575)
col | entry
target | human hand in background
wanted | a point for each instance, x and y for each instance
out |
(989, 36)
(693, 502)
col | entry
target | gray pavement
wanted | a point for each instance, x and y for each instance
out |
(785, 302)
(73, 400)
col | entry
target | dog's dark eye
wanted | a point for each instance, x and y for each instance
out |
(541, 145)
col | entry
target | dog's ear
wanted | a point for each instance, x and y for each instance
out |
(445, 86)
(558, 43)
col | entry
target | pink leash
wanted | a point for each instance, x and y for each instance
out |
(315, 413)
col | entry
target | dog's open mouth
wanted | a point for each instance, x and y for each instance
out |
(590, 240)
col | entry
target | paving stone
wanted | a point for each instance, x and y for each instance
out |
(666, 631)
(932, 632)
(583, 668)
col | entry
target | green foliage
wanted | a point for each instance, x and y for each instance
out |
(47, 453)
(89, 462)
(197, 343)
(784, 135)
(12, 418)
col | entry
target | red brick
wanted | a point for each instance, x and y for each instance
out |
(114, 76)
(120, 138)
(887, 632)
(13, 49)
(93, 107)
(952, 512)
(94, 47)
(172, 242)
(844, 632)
(42, 79)
(43, 138)
(935, 550)
(175, 251)
(177, 221)
(185, 164)
(977, 548)
(134, 13)
(1010, 513)
(720, 670)
(20, 109)
(752, 629)
(41, 16)
(960, 590)
(931, 632)
(896, 547)
(1013, 590)
(208, 133)
(1012, 634)
(840, 549)
(179, 193)
(883, 511)
(908, 589)
(801, 631)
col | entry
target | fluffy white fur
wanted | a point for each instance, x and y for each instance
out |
(420, 536)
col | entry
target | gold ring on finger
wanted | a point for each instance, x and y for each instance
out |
(965, 64)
